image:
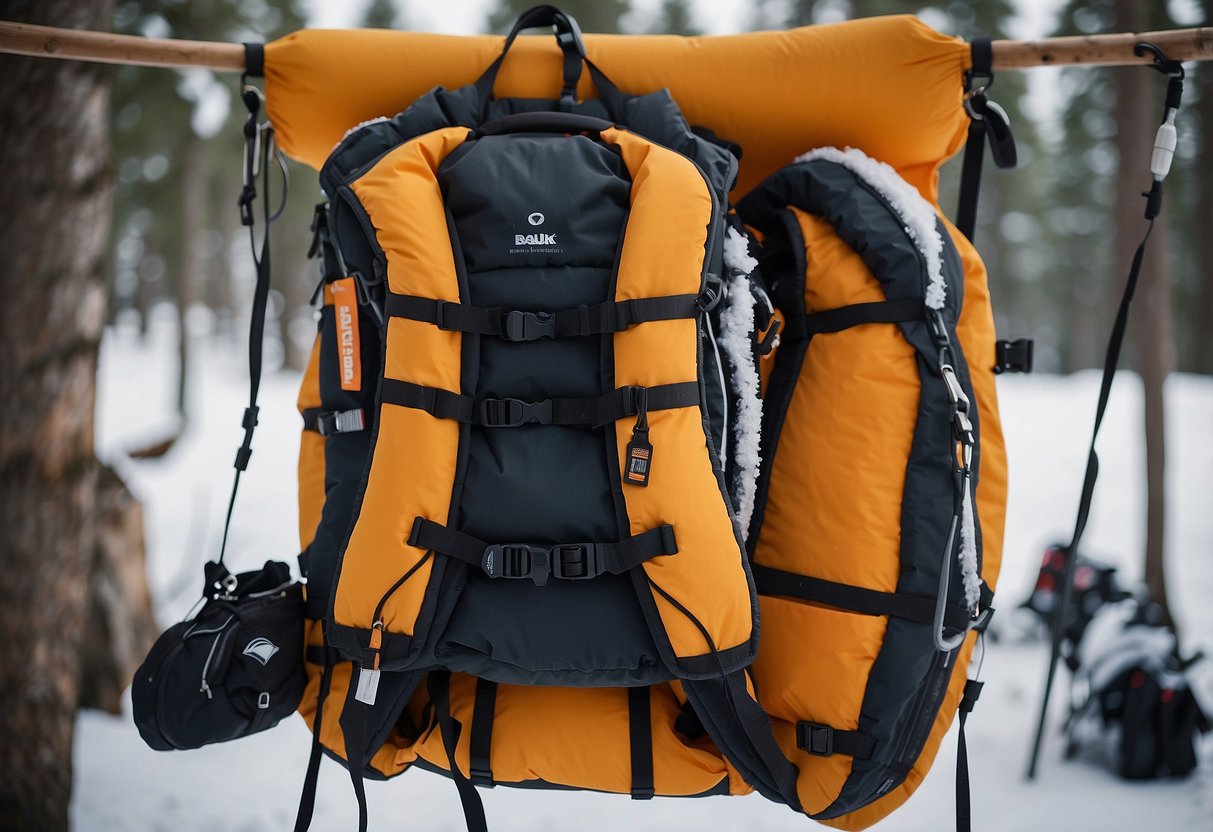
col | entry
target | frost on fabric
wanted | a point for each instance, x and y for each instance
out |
(968, 549)
(737, 255)
(736, 334)
(358, 127)
(915, 212)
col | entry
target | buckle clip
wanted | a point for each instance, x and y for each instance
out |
(512, 413)
(575, 561)
(517, 561)
(1013, 356)
(529, 326)
(815, 738)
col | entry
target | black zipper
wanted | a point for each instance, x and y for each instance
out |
(922, 715)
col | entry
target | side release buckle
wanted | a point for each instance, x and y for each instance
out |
(518, 560)
(576, 561)
(529, 326)
(815, 738)
(512, 413)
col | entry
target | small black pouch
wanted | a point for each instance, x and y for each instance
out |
(234, 669)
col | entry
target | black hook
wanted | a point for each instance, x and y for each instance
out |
(1172, 69)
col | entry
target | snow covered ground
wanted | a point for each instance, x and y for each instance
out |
(253, 785)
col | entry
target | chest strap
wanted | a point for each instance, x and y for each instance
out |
(520, 325)
(511, 413)
(329, 422)
(566, 561)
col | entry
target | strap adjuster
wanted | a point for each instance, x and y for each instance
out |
(340, 421)
(512, 413)
(815, 738)
(576, 561)
(518, 560)
(1013, 356)
(529, 326)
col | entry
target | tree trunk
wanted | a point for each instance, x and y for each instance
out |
(194, 222)
(56, 193)
(1137, 115)
(119, 626)
(1202, 319)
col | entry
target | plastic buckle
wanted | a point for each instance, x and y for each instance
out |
(575, 561)
(815, 738)
(516, 561)
(1013, 356)
(512, 413)
(340, 421)
(529, 326)
(712, 293)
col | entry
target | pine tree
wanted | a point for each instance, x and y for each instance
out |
(56, 194)
(591, 15)
(382, 14)
(675, 18)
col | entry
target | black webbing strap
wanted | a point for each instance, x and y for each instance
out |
(640, 742)
(878, 312)
(519, 325)
(964, 809)
(258, 152)
(353, 727)
(329, 422)
(438, 683)
(480, 744)
(1175, 74)
(567, 561)
(918, 608)
(980, 75)
(307, 799)
(254, 59)
(823, 740)
(507, 413)
(970, 179)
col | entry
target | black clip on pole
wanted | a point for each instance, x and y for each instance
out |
(1165, 140)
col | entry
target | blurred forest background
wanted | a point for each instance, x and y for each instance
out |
(1057, 236)
(1046, 231)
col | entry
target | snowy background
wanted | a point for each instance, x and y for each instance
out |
(253, 785)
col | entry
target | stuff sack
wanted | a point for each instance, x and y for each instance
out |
(234, 669)
(881, 456)
(1135, 700)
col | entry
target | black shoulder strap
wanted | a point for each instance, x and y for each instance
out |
(987, 120)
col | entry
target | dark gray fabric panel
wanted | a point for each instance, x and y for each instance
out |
(540, 484)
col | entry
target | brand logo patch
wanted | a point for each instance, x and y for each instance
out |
(535, 218)
(261, 649)
(534, 239)
(349, 352)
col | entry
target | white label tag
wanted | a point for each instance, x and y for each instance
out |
(368, 686)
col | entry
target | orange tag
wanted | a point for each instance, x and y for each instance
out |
(349, 351)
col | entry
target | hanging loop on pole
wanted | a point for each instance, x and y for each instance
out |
(1161, 62)
(1166, 139)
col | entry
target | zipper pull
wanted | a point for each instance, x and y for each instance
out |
(639, 450)
(368, 677)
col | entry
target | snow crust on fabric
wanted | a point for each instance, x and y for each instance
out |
(917, 214)
(968, 549)
(736, 328)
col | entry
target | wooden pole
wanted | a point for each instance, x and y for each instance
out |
(1103, 50)
(1089, 50)
(108, 48)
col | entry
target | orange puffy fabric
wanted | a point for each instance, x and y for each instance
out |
(890, 86)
